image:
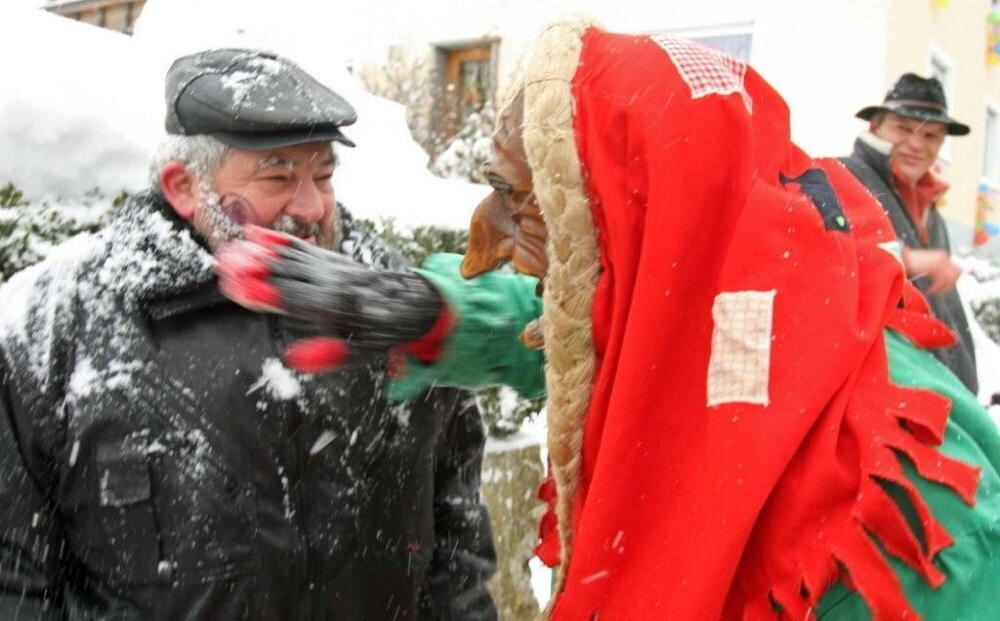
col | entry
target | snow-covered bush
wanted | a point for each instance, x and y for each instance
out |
(403, 78)
(988, 315)
(465, 154)
(29, 230)
(986, 306)
(505, 412)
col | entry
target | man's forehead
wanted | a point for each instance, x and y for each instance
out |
(290, 157)
(933, 126)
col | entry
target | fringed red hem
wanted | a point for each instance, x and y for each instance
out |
(882, 423)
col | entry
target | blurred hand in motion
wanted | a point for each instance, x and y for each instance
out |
(935, 265)
(359, 312)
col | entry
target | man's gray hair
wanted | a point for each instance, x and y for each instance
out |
(202, 154)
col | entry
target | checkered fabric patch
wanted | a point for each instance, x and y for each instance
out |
(706, 71)
(740, 363)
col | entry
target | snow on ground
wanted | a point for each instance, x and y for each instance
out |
(981, 281)
(73, 121)
(534, 431)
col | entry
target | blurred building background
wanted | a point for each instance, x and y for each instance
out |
(117, 15)
(828, 59)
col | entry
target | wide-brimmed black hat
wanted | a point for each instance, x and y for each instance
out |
(918, 98)
(254, 100)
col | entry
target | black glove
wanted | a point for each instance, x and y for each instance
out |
(368, 311)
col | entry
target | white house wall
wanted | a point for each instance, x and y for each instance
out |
(957, 32)
(826, 58)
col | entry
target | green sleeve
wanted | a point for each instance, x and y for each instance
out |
(483, 348)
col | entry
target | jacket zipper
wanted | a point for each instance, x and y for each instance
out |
(296, 505)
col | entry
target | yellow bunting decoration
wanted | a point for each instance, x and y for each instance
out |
(993, 39)
(984, 231)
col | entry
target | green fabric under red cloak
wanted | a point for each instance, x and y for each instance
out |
(762, 500)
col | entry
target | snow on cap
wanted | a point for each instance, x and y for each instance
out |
(253, 100)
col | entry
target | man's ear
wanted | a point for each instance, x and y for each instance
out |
(180, 188)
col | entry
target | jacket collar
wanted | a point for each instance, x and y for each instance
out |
(158, 264)
(878, 144)
(162, 267)
(874, 151)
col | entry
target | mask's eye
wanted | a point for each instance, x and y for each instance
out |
(499, 184)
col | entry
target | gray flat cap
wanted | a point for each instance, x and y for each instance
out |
(254, 100)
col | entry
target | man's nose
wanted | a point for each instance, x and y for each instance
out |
(307, 203)
(916, 141)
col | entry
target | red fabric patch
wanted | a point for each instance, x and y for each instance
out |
(694, 512)
(244, 259)
(317, 354)
(548, 548)
(427, 348)
(243, 268)
(252, 293)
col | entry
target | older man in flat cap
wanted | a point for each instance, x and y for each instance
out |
(158, 461)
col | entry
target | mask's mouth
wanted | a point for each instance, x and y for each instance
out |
(497, 238)
(496, 235)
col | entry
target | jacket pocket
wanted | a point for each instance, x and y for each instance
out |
(205, 509)
(125, 514)
(206, 513)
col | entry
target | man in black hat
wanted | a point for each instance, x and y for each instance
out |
(158, 460)
(893, 159)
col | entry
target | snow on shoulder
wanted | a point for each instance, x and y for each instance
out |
(93, 280)
(36, 298)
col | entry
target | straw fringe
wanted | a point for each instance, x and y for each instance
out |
(550, 145)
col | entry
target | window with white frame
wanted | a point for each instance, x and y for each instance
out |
(942, 68)
(991, 145)
(737, 45)
(736, 40)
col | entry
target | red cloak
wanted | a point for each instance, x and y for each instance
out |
(741, 409)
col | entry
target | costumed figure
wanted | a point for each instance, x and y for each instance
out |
(742, 423)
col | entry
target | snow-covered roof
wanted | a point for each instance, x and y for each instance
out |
(88, 111)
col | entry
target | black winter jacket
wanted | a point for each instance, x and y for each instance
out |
(871, 167)
(157, 461)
